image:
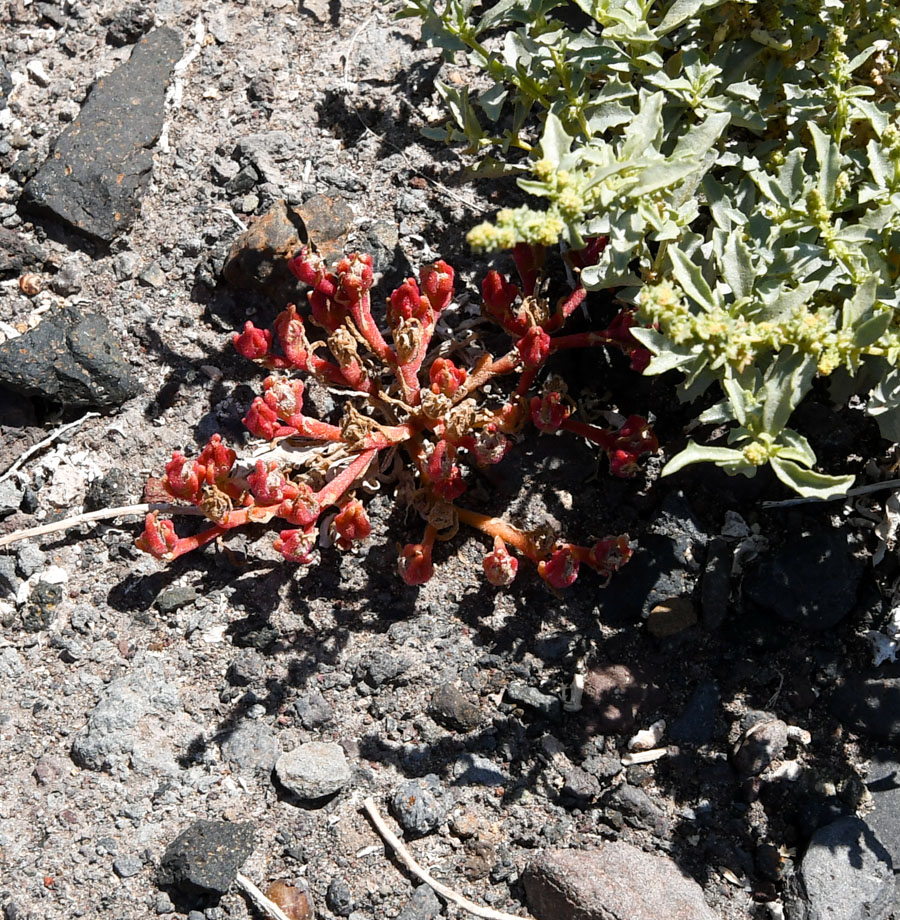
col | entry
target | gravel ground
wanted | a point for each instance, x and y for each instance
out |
(138, 701)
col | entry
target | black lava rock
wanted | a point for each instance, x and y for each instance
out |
(5, 84)
(451, 708)
(129, 24)
(69, 358)
(812, 580)
(99, 167)
(339, 897)
(207, 856)
(698, 721)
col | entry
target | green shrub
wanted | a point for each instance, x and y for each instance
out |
(744, 161)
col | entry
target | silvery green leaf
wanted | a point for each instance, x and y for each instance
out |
(860, 304)
(534, 187)
(731, 460)
(719, 414)
(491, 101)
(745, 89)
(690, 278)
(660, 176)
(681, 11)
(609, 115)
(787, 381)
(699, 139)
(793, 446)
(829, 158)
(737, 265)
(646, 128)
(810, 484)
(555, 143)
(869, 332)
(738, 400)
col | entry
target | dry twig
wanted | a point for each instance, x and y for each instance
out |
(410, 863)
(104, 514)
(859, 490)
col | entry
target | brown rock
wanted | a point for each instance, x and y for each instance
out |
(614, 881)
(328, 219)
(259, 256)
(671, 617)
(613, 695)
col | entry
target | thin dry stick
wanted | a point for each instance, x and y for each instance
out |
(260, 900)
(859, 490)
(45, 442)
(103, 514)
(410, 863)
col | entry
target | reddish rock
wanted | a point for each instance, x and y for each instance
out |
(613, 696)
(614, 881)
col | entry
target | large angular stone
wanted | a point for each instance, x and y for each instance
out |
(614, 881)
(99, 167)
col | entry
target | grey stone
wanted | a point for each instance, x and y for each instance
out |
(99, 167)
(30, 559)
(846, 874)
(9, 581)
(207, 856)
(417, 805)
(265, 151)
(11, 664)
(152, 276)
(581, 786)
(638, 809)
(5, 85)
(548, 705)
(252, 746)
(811, 581)
(10, 498)
(339, 897)
(68, 280)
(127, 866)
(697, 722)
(883, 783)
(869, 706)
(313, 709)
(248, 667)
(175, 597)
(110, 732)
(107, 491)
(125, 265)
(384, 667)
(477, 770)
(314, 770)
(614, 881)
(17, 253)
(423, 905)
(70, 358)
(453, 709)
(759, 746)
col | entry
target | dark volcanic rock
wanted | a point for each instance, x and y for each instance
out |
(614, 881)
(416, 804)
(5, 84)
(68, 358)
(883, 783)
(697, 722)
(207, 856)
(812, 580)
(99, 167)
(453, 709)
(869, 706)
(846, 874)
(129, 24)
